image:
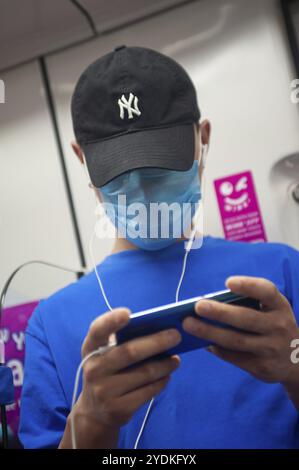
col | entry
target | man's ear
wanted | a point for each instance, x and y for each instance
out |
(78, 151)
(205, 128)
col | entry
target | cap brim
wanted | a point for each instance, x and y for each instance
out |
(169, 147)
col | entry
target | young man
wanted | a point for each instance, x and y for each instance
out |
(136, 122)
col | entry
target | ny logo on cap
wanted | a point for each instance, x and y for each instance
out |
(123, 104)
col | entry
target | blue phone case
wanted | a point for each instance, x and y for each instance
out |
(171, 316)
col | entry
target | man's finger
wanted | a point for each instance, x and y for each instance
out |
(139, 349)
(103, 327)
(239, 317)
(134, 400)
(128, 381)
(242, 360)
(258, 288)
(225, 338)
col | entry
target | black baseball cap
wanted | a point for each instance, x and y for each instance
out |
(134, 108)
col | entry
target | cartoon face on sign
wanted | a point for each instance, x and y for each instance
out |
(236, 197)
(239, 208)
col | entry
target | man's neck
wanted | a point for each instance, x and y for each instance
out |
(122, 244)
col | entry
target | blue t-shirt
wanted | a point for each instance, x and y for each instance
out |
(208, 403)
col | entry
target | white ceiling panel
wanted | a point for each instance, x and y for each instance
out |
(110, 14)
(30, 28)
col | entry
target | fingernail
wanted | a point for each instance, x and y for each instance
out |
(176, 357)
(174, 335)
(235, 280)
(203, 306)
(192, 324)
(122, 315)
(175, 361)
(124, 309)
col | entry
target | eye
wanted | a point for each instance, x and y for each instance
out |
(241, 184)
(226, 188)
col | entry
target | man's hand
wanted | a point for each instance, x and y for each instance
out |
(263, 347)
(115, 385)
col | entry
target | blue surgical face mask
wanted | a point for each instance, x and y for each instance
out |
(152, 207)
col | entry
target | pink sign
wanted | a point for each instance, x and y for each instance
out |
(239, 208)
(14, 323)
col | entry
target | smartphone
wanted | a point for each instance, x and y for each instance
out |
(172, 315)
